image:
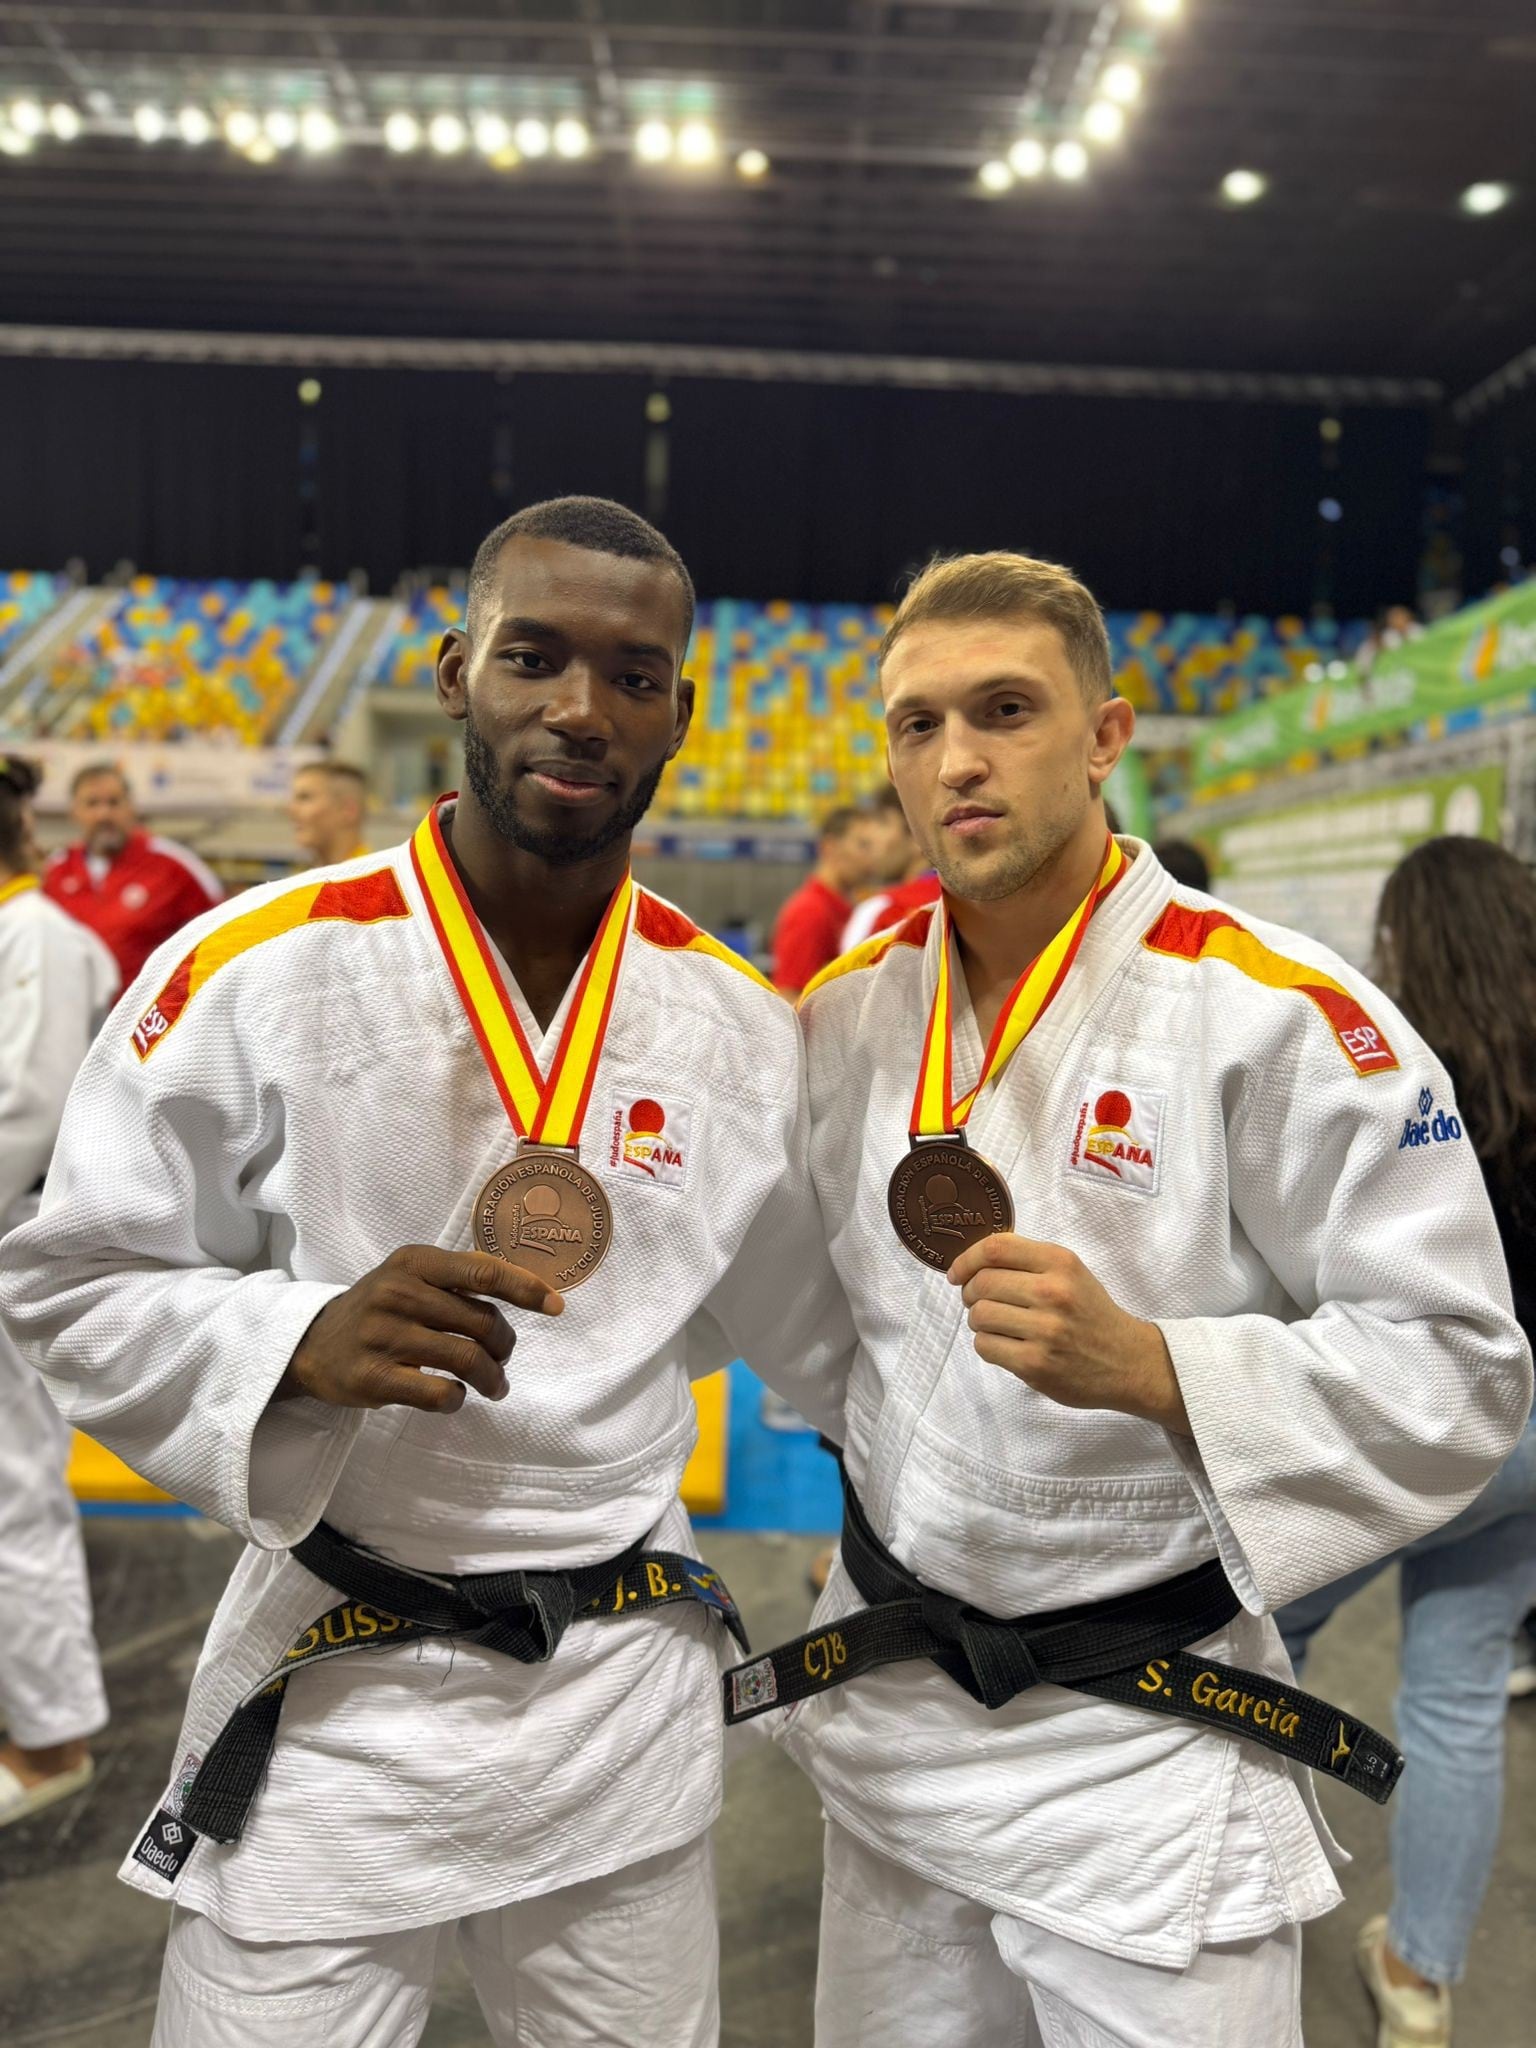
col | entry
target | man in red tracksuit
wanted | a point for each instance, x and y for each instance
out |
(131, 888)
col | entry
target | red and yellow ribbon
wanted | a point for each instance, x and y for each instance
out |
(546, 1112)
(935, 1113)
(17, 886)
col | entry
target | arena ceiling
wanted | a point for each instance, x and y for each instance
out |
(870, 230)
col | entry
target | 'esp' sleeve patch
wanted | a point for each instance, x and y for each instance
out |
(1182, 933)
(357, 899)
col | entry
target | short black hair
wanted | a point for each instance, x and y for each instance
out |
(600, 524)
(1185, 862)
(838, 823)
(19, 780)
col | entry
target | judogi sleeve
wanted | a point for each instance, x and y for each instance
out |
(143, 1292)
(40, 1048)
(1324, 1443)
(779, 1304)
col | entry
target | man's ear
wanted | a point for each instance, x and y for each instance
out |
(452, 663)
(1114, 722)
(684, 718)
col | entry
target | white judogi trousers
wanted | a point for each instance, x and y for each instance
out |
(51, 1689)
(625, 1961)
(906, 1964)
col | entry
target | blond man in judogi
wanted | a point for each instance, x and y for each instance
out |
(351, 1136)
(1160, 1325)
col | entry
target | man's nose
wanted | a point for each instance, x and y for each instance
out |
(961, 760)
(576, 708)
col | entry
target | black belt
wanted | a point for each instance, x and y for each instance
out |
(522, 1614)
(1128, 1649)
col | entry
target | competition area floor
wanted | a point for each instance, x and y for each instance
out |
(80, 1953)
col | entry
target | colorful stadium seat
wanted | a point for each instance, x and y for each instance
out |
(26, 596)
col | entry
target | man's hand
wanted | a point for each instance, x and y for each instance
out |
(1039, 1313)
(366, 1349)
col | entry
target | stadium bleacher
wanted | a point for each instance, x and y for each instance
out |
(26, 598)
(174, 658)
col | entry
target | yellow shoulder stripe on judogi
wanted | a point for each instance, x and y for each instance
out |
(912, 931)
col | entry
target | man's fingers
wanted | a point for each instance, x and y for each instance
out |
(1023, 1254)
(446, 1352)
(401, 1386)
(463, 1315)
(482, 1273)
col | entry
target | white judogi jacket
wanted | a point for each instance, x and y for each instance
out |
(290, 1092)
(1224, 1150)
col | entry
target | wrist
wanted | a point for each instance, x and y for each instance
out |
(1159, 1398)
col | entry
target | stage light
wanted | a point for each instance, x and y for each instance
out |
(532, 137)
(1104, 122)
(492, 134)
(1069, 160)
(402, 132)
(64, 121)
(1243, 187)
(571, 138)
(1476, 199)
(13, 144)
(27, 118)
(995, 176)
(1027, 157)
(262, 151)
(653, 142)
(1121, 83)
(696, 143)
(446, 134)
(752, 163)
(1331, 510)
(148, 124)
(1163, 10)
(318, 132)
(241, 128)
(1331, 429)
(193, 126)
(309, 391)
(658, 408)
(280, 128)
(1510, 557)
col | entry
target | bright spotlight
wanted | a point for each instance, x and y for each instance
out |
(696, 143)
(1104, 122)
(318, 131)
(402, 132)
(309, 391)
(64, 121)
(28, 118)
(193, 126)
(1121, 83)
(446, 133)
(492, 134)
(1476, 199)
(1243, 187)
(13, 144)
(1163, 10)
(532, 137)
(1331, 510)
(571, 138)
(1069, 160)
(262, 151)
(653, 142)
(148, 123)
(995, 176)
(1027, 157)
(241, 128)
(752, 163)
(281, 128)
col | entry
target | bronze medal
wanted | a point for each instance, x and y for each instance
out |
(943, 1197)
(545, 1211)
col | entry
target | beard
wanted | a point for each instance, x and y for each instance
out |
(993, 876)
(558, 847)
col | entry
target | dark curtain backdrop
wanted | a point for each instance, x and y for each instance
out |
(1500, 491)
(768, 490)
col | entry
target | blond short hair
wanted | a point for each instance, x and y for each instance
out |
(1001, 585)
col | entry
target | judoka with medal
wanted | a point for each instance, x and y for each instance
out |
(1155, 1319)
(346, 1140)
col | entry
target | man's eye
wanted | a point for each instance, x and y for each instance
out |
(527, 657)
(636, 680)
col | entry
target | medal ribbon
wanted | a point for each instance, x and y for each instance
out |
(546, 1112)
(935, 1113)
(17, 886)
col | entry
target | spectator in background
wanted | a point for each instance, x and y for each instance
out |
(131, 887)
(56, 980)
(807, 934)
(1186, 863)
(326, 809)
(905, 880)
(1456, 944)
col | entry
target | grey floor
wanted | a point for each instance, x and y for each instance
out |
(79, 1953)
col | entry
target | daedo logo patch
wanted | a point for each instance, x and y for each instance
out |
(1117, 1136)
(1444, 1128)
(650, 1141)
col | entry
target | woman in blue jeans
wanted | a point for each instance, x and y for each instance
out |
(1456, 948)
